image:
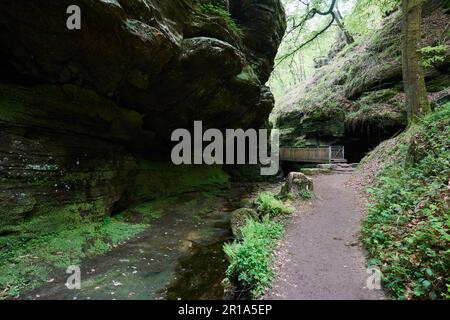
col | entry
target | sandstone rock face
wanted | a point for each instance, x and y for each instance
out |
(357, 99)
(81, 109)
(182, 58)
(238, 219)
(297, 184)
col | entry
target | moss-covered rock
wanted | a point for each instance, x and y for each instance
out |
(239, 218)
(297, 185)
(359, 93)
(315, 171)
(138, 53)
(438, 84)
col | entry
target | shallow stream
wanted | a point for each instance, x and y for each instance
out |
(179, 256)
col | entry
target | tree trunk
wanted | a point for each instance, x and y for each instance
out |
(417, 102)
(339, 21)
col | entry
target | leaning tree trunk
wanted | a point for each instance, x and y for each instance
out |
(417, 102)
(339, 21)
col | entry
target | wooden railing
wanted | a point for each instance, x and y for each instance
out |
(313, 155)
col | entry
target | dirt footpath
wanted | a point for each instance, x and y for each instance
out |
(320, 256)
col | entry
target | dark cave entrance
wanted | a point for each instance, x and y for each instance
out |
(358, 142)
(356, 149)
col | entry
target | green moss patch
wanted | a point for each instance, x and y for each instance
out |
(27, 260)
(158, 180)
(55, 238)
(378, 109)
(213, 9)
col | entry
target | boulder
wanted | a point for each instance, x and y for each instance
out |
(297, 184)
(238, 219)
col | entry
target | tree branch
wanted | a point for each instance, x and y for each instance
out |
(308, 16)
(297, 49)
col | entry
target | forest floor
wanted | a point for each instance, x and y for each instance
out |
(320, 257)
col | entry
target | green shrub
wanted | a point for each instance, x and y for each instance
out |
(250, 260)
(433, 55)
(407, 229)
(215, 10)
(269, 204)
(306, 194)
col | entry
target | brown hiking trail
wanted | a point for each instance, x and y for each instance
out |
(320, 256)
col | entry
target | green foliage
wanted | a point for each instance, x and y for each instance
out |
(302, 194)
(367, 15)
(300, 65)
(432, 56)
(97, 247)
(269, 204)
(250, 260)
(306, 194)
(26, 260)
(407, 231)
(219, 11)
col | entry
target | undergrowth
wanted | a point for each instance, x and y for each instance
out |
(407, 228)
(269, 204)
(251, 258)
(433, 55)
